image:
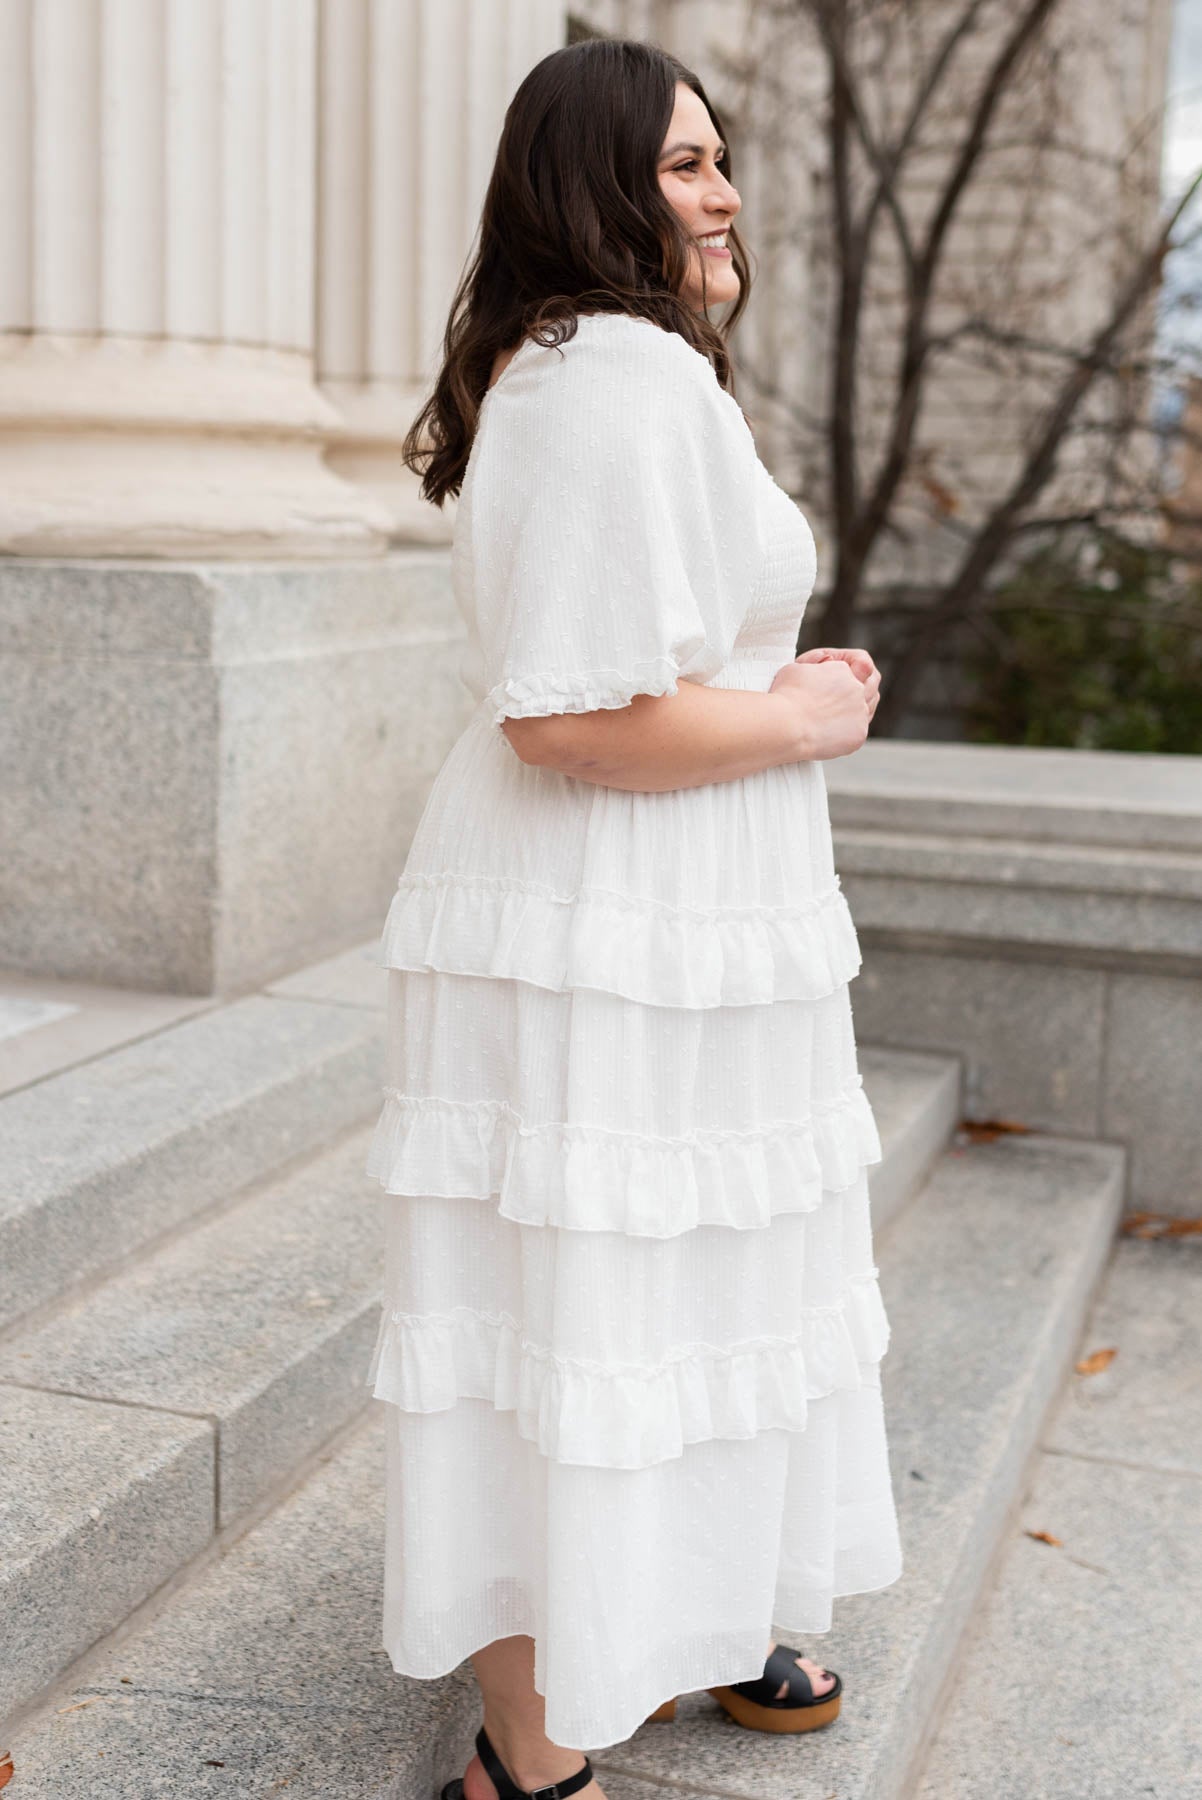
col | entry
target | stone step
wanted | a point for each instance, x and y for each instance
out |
(986, 1277)
(916, 1099)
(214, 1366)
(99, 1505)
(263, 1675)
(265, 1669)
(113, 1153)
(1082, 1675)
(254, 1328)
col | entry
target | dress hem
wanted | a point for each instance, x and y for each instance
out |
(515, 1619)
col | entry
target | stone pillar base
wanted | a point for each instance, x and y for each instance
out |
(365, 448)
(212, 772)
(136, 447)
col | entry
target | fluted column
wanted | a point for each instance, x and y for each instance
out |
(412, 98)
(157, 202)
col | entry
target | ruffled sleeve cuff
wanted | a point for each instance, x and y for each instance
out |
(536, 696)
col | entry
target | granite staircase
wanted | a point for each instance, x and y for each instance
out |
(192, 1467)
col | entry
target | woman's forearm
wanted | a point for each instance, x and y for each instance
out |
(687, 739)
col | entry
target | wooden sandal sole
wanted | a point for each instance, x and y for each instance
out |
(776, 1718)
(760, 1718)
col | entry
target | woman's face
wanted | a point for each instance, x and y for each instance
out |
(690, 174)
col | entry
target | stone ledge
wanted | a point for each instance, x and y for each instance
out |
(1117, 929)
(1092, 852)
(1038, 912)
(1102, 797)
(219, 613)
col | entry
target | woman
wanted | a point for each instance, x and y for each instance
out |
(631, 1329)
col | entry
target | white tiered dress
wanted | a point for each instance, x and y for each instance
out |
(631, 1328)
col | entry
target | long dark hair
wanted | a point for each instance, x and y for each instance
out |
(574, 221)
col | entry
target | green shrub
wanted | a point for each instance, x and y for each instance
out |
(1094, 646)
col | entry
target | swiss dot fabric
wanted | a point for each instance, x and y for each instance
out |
(631, 1331)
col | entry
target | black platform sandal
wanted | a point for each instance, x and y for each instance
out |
(507, 1788)
(755, 1705)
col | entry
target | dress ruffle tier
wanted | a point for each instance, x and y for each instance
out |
(583, 1178)
(592, 1112)
(631, 1326)
(644, 950)
(612, 1390)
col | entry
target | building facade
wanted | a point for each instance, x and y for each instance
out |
(230, 231)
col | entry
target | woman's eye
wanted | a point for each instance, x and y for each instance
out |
(692, 164)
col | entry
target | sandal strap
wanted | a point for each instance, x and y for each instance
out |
(508, 1789)
(781, 1665)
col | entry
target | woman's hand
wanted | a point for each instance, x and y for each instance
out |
(860, 662)
(837, 693)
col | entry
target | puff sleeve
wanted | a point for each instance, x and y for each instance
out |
(614, 530)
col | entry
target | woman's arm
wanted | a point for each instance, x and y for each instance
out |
(702, 734)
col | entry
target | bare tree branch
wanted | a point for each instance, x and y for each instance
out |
(888, 164)
(968, 582)
(850, 254)
(829, 17)
(915, 343)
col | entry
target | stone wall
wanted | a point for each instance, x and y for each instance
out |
(212, 771)
(1039, 912)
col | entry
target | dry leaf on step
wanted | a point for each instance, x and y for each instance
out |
(984, 1131)
(1095, 1363)
(1158, 1225)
